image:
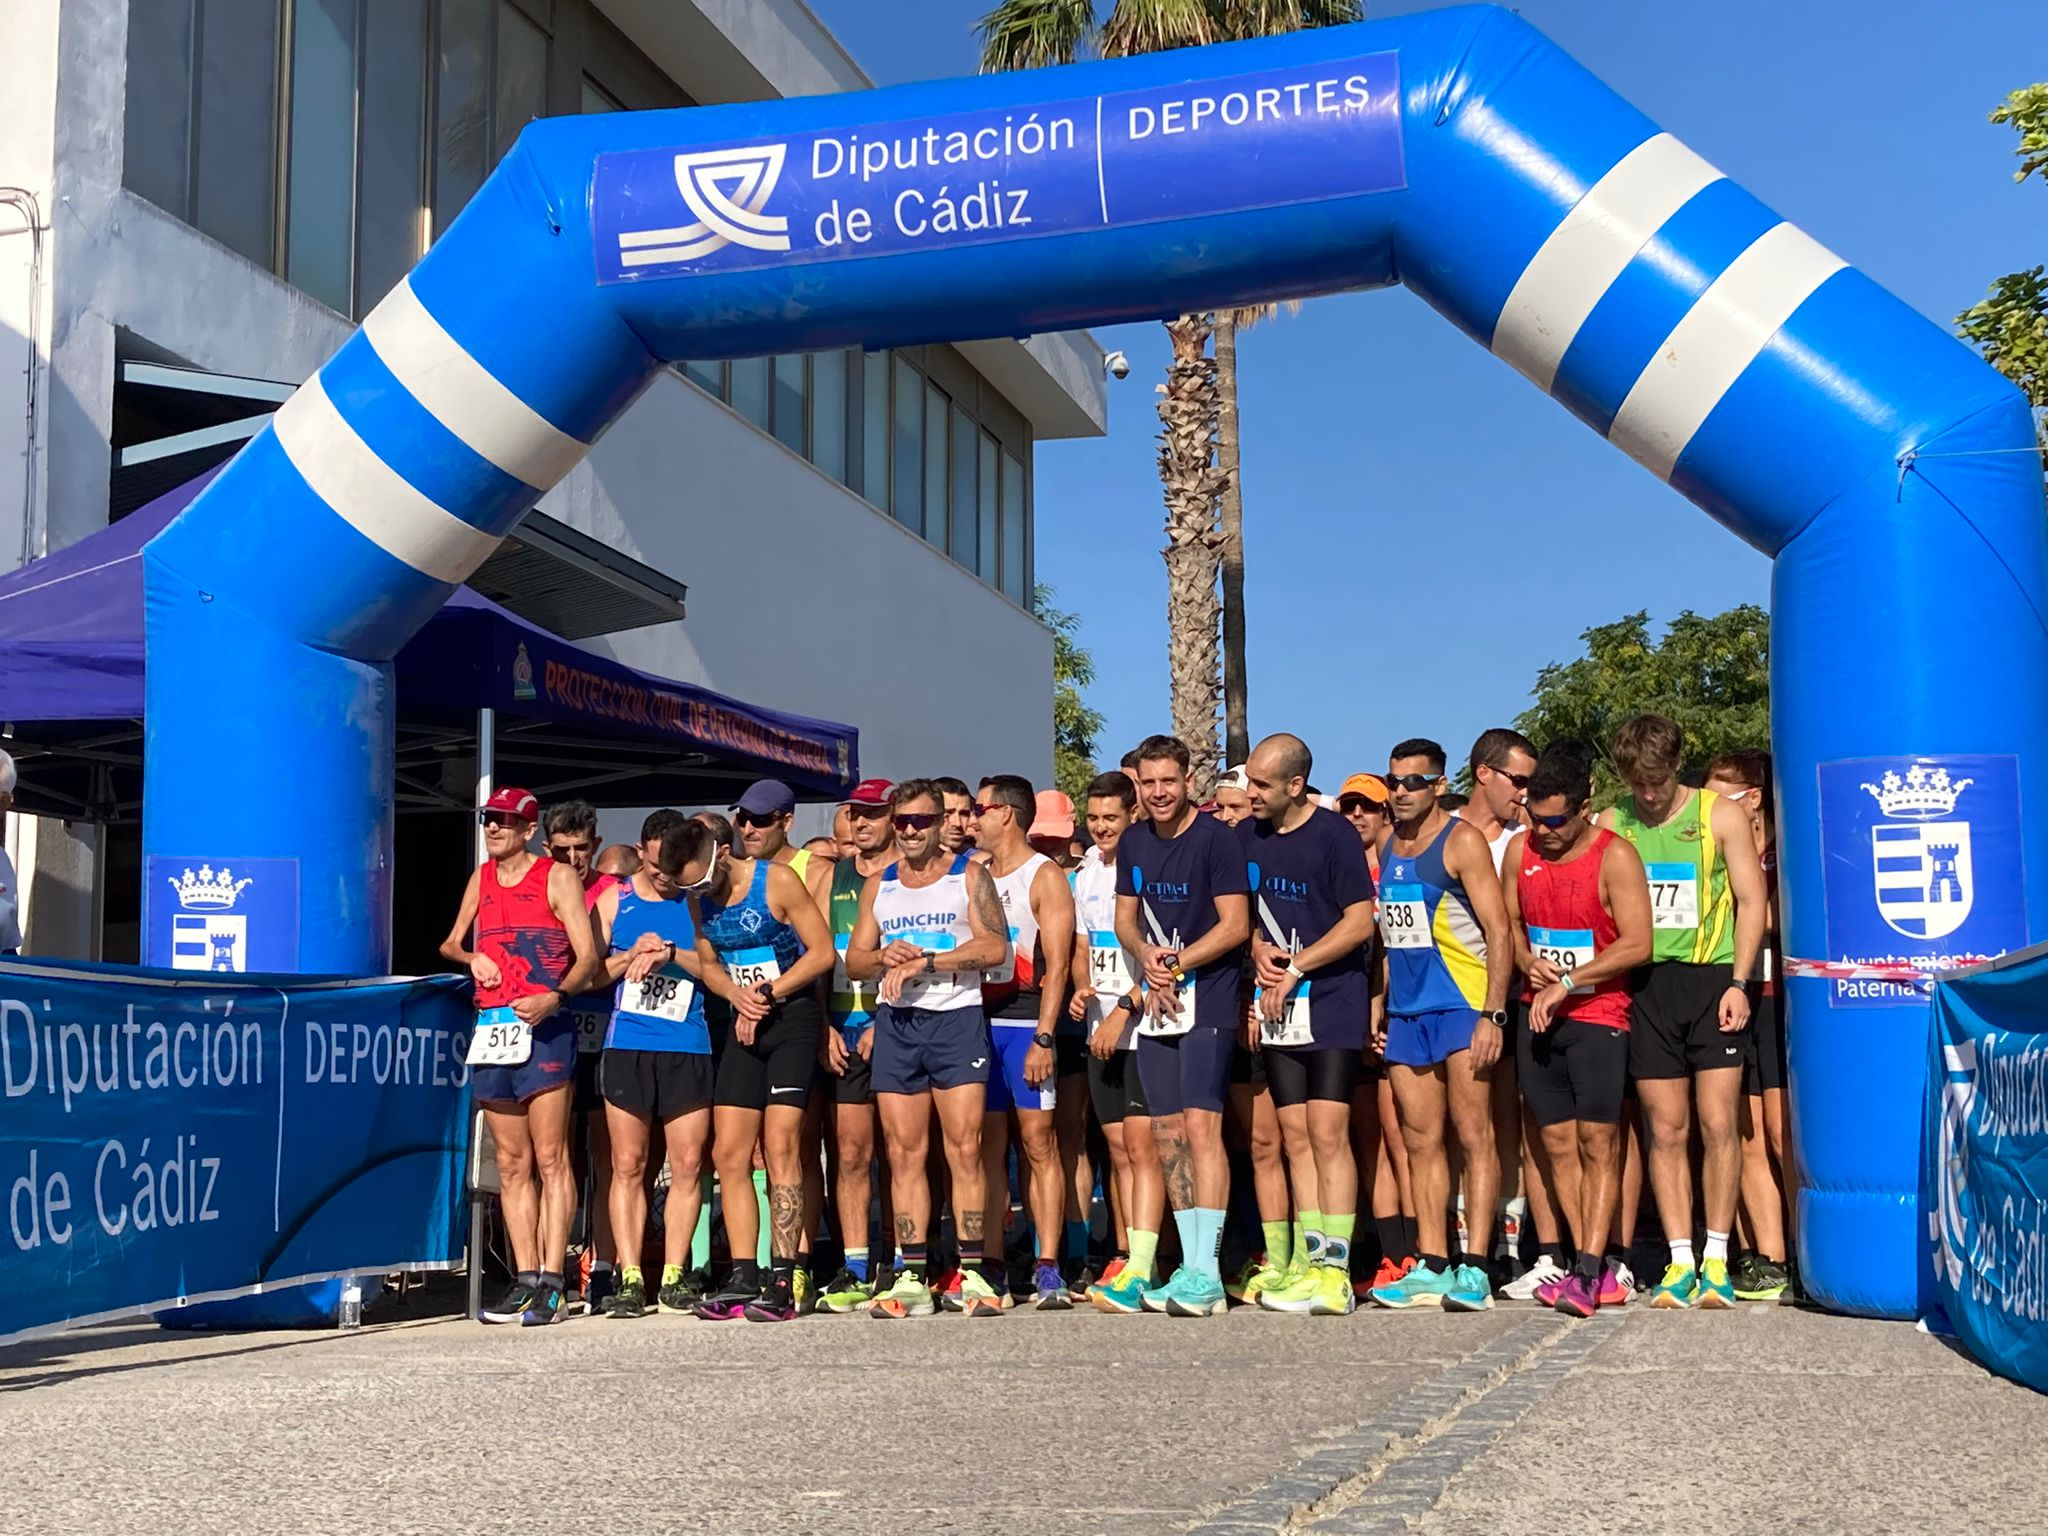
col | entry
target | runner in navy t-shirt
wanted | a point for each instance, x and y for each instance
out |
(1181, 909)
(1312, 899)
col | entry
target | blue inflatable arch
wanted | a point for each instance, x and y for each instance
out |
(1458, 151)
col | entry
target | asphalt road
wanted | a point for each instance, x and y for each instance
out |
(1771, 1418)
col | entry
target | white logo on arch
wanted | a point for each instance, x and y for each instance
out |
(728, 191)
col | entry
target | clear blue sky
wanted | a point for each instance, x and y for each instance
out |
(1366, 413)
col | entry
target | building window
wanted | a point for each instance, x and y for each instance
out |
(1016, 518)
(789, 401)
(906, 498)
(964, 528)
(988, 545)
(597, 99)
(874, 427)
(751, 393)
(391, 183)
(828, 413)
(320, 211)
(520, 77)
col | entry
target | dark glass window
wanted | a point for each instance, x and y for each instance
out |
(391, 186)
(233, 190)
(323, 150)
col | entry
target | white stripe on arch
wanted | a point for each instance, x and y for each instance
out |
(1573, 269)
(464, 396)
(1709, 349)
(369, 495)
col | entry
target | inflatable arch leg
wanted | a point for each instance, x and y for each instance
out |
(1458, 151)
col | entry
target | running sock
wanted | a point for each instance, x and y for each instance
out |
(1553, 1252)
(1438, 1263)
(528, 1277)
(1298, 1236)
(911, 1260)
(1393, 1238)
(1717, 1247)
(1206, 1259)
(1311, 1245)
(785, 1273)
(1337, 1241)
(1681, 1251)
(1144, 1252)
(1188, 1224)
(603, 1267)
(1282, 1242)
(671, 1274)
(761, 1254)
(857, 1263)
(1589, 1266)
(629, 1274)
(700, 1235)
(1411, 1237)
(550, 1281)
(1077, 1240)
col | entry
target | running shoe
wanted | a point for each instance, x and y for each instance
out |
(1420, 1287)
(1195, 1294)
(946, 1290)
(1110, 1271)
(1257, 1282)
(628, 1298)
(543, 1307)
(598, 1289)
(684, 1292)
(1471, 1289)
(1617, 1285)
(907, 1296)
(1049, 1290)
(847, 1293)
(1548, 1292)
(1084, 1278)
(1126, 1293)
(1715, 1293)
(1679, 1288)
(1525, 1285)
(978, 1298)
(1577, 1297)
(1389, 1273)
(510, 1307)
(803, 1292)
(725, 1304)
(775, 1304)
(1155, 1296)
(1323, 1291)
(1765, 1281)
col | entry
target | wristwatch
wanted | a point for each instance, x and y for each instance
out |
(1498, 1017)
(1295, 972)
(1042, 1040)
(931, 963)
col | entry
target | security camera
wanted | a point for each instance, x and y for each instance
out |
(1116, 365)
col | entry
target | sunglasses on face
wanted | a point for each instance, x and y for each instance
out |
(1553, 823)
(749, 819)
(917, 821)
(1519, 780)
(499, 819)
(710, 871)
(985, 810)
(1412, 781)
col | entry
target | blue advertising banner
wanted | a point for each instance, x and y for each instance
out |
(1922, 863)
(1284, 136)
(168, 1139)
(221, 914)
(1984, 1179)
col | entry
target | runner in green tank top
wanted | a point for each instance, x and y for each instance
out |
(1689, 1018)
(849, 1040)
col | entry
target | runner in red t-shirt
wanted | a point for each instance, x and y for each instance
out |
(533, 946)
(1580, 906)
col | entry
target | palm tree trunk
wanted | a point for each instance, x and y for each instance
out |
(1237, 743)
(1191, 481)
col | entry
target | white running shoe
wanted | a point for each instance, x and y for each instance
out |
(1523, 1286)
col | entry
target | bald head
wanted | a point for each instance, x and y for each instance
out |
(1278, 770)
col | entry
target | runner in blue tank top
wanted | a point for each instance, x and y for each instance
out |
(1449, 958)
(775, 947)
(656, 1066)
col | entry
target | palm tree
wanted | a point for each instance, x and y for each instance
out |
(1198, 440)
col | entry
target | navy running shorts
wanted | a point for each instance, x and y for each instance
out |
(1183, 1072)
(917, 1049)
(552, 1064)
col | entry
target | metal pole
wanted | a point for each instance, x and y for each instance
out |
(486, 766)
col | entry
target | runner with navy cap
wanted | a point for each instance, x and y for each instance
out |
(761, 820)
(533, 946)
(850, 1045)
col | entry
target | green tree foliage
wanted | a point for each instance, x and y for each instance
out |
(2011, 327)
(1709, 673)
(1074, 725)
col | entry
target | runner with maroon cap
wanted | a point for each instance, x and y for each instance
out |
(533, 946)
(849, 1048)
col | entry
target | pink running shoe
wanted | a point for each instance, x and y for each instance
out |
(1548, 1292)
(1617, 1285)
(1577, 1297)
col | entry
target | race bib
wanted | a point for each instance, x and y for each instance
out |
(1167, 1026)
(1404, 917)
(590, 1028)
(1565, 948)
(666, 995)
(748, 968)
(844, 987)
(1002, 974)
(1292, 1027)
(502, 1039)
(1107, 970)
(1674, 896)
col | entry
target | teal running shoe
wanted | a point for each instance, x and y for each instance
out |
(1679, 1288)
(1157, 1297)
(1420, 1287)
(1471, 1290)
(1125, 1293)
(1196, 1294)
(1715, 1293)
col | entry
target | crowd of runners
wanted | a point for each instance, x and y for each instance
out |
(1391, 1046)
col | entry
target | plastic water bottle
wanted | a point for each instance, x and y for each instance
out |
(351, 1313)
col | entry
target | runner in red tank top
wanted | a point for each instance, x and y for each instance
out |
(1580, 905)
(533, 945)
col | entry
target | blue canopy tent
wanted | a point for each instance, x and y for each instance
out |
(567, 720)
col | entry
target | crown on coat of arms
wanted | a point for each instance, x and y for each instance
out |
(210, 889)
(1920, 794)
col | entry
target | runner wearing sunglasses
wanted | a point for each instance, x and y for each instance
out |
(1447, 960)
(533, 946)
(929, 925)
(761, 820)
(774, 943)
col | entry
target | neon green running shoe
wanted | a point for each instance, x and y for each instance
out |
(1321, 1291)
(977, 1297)
(847, 1293)
(1679, 1288)
(1260, 1280)
(909, 1296)
(1715, 1294)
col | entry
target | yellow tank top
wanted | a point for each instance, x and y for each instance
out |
(1691, 908)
